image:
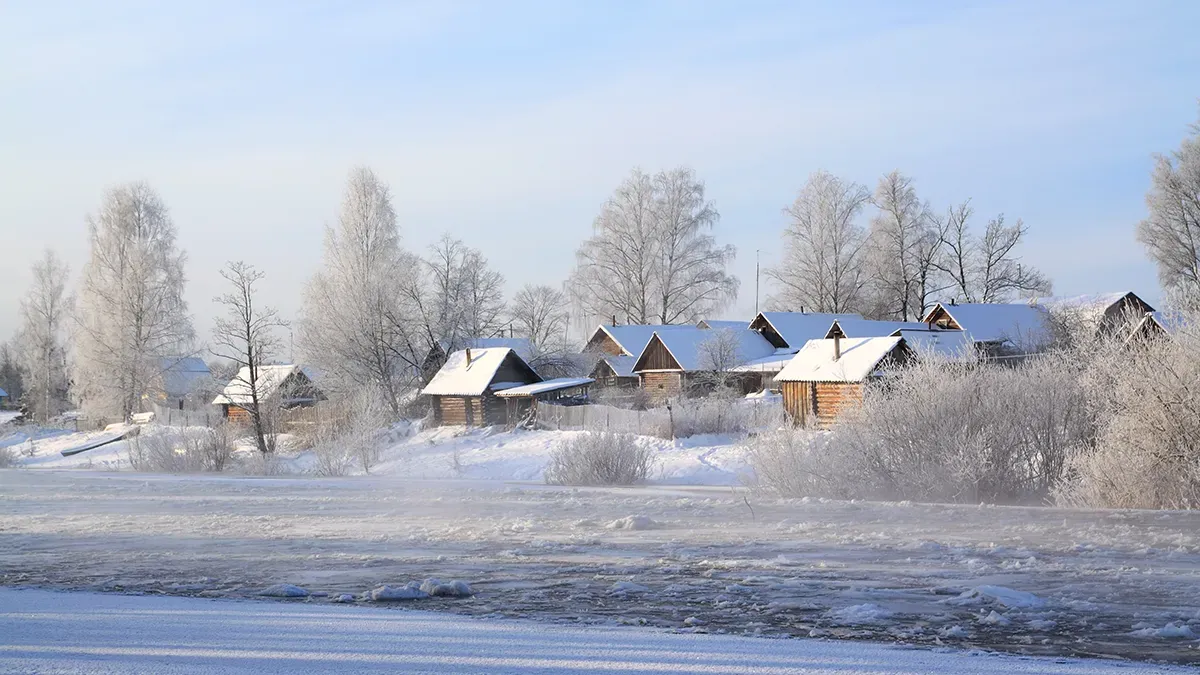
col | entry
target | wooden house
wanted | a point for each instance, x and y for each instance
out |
(718, 324)
(463, 391)
(826, 378)
(285, 386)
(998, 330)
(683, 362)
(615, 372)
(792, 330)
(1103, 314)
(181, 381)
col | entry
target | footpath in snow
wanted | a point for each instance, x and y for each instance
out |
(93, 634)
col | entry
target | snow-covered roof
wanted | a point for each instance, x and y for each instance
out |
(622, 366)
(545, 387)
(458, 377)
(522, 346)
(722, 323)
(3, 394)
(1018, 324)
(689, 346)
(860, 327)
(1098, 302)
(797, 328)
(633, 338)
(1170, 322)
(860, 358)
(270, 378)
(946, 344)
(768, 364)
(182, 374)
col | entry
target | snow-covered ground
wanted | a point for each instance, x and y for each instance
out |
(718, 559)
(445, 452)
(94, 634)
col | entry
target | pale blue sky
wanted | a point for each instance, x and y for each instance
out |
(508, 124)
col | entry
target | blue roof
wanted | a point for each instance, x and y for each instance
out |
(797, 328)
(633, 338)
(3, 394)
(858, 327)
(1017, 324)
(182, 374)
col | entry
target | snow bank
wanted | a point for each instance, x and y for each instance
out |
(283, 591)
(453, 589)
(633, 523)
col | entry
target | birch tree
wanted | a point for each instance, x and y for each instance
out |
(246, 336)
(690, 274)
(824, 261)
(1171, 231)
(986, 268)
(351, 328)
(467, 297)
(540, 314)
(904, 243)
(42, 340)
(652, 257)
(10, 372)
(131, 311)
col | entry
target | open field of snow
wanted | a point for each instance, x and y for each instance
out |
(1034, 581)
(97, 634)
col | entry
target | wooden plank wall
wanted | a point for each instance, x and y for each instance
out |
(656, 357)
(834, 398)
(797, 401)
(660, 386)
(469, 411)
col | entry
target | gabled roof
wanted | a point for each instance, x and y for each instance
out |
(1170, 322)
(622, 366)
(768, 364)
(687, 346)
(545, 387)
(797, 328)
(633, 338)
(861, 357)
(1016, 324)
(458, 377)
(721, 323)
(859, 327)
(3, 394)
(522, 346)
(1093, 302)
(181, 375)
(945, 344)
(270, 378)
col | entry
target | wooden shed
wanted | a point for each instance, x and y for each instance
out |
(827, 377)
(521, 403)
(464, 389)
(287, 386)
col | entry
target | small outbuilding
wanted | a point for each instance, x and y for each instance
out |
(998, 330)
(286, 386)
(828, 377)
(463, 391)
(521, 403)
(688, 361)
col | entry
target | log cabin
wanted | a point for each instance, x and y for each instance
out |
(997, 330)
(463, 391)
(683, 362)
(792, 330)
(285, 386)
(827, 378)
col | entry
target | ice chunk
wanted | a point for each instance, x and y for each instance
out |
(995, 619)
(624, 587)
(453, 589)
(999, 595)
(694, 621)
(1175, 629)
(865, 613)
(633, 523)
(283, 591)
(411, 591)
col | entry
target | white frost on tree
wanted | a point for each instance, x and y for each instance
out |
(651, 257)
(1171, 231)
(352, 327)
(904, 241)
(541, 315)
(131, 310)
(824, 266)
(42, 350)
(986, 268)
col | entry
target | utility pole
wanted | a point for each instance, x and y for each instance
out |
(757, 256)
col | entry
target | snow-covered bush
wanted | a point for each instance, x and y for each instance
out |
(944, 431)
(351, 435)
(723, 415)
(599, 458)
(1148, 451)
(181, 449)
(8, 457)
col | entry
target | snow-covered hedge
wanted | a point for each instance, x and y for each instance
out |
(599, 458)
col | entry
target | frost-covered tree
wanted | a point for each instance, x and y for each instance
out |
(130, 311)
(651, 257)
(541, 314)
(351, 327)
(10, 372)
(42, 339)
(904, 242)
(466, 296)
(986, 268)
(1171, 232)
(246, 336)
(824, 261)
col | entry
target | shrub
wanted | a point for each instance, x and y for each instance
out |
(351, 434)
(181, 449)
(727, 414)
(8, 458)
(599, 458)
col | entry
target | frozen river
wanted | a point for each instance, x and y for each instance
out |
(1030, 581)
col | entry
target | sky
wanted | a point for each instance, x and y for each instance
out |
(507, 124)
